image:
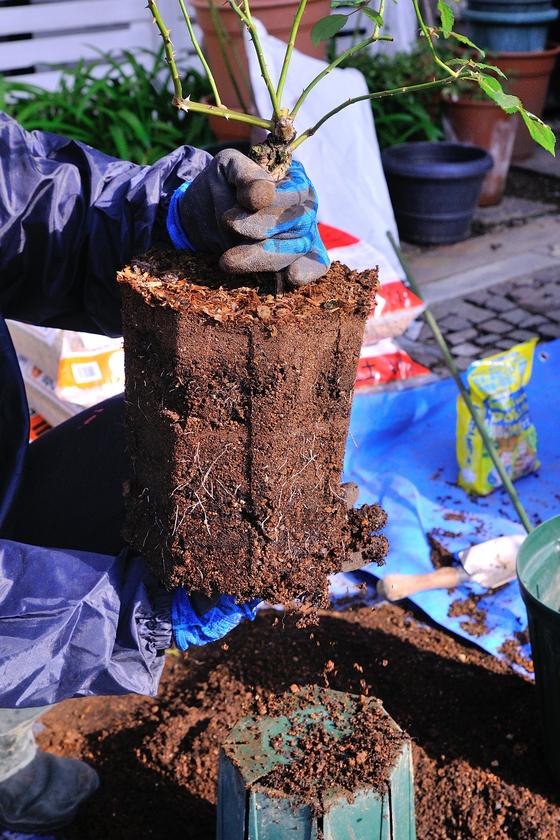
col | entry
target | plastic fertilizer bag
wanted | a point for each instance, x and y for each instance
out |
(497, 389)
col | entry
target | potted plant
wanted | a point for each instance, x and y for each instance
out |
(475, 120)
(528, 77)
(237, 399)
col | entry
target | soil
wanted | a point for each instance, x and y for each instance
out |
(475, 623)
(512, 649)
(237, 411)
(359, 753)
(473, 723)
(439, 554)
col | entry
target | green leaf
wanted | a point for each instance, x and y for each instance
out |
(467, 42)
(492, 88)
(373, 15)
(139, 131)
(447, 18)
(467, 62)
(119, 140)
(539, 131)
(327, 28)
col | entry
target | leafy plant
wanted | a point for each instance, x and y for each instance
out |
(411, 116)
(118, 103)
(275, 153)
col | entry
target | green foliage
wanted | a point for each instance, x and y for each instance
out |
(327, 28)
(120, 105)
(409, 116)
(539, 131)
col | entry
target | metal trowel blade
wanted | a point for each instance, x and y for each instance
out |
(492, 563)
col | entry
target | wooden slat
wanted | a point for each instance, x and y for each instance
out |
(63, 49)
(49, 17)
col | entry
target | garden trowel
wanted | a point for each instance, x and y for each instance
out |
(490, 564)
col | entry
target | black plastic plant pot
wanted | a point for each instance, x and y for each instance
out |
(434, 189)
(538, 571)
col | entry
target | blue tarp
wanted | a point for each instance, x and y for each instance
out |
(401, 453)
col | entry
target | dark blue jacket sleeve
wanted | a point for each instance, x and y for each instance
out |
(76, 624)
(70, 217)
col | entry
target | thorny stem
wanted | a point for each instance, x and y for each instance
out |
(224, 41)
(290, 49)
(245, 16)
(381, 11)
(188, 104)
(360, 46)
(379, 95)
(428, 36)
(168, 46)
(200, 54)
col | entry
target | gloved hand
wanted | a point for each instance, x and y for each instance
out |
(197, 620)
(234, 208)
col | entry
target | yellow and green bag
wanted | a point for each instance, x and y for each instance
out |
(497, 390)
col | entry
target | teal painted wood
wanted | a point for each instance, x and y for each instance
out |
(232, 802)
(364, 818)
(275, 818)
(403, 824)
(247, 811)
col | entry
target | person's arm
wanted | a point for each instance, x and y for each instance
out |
(70, 217)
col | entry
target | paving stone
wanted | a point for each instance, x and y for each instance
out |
(463, 335)
(487, 340)
(463, 362)
(534, 321)
(500, 304)
(495, 325)
(454, 322)
(465, 349)
(546, 275)
(550, 330)
(467, 310)
(516, 317)
(505, 343)
(554, 315)
(523, 335)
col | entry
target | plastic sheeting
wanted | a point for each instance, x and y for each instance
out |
(401, 453)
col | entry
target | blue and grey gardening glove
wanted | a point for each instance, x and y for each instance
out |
(197, 620)
(234, 208)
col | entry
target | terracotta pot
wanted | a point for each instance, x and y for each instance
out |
(479, 122)
(528, 77)
(277, 17)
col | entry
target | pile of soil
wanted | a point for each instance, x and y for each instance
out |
(237, 410)
(351, 744)
(473, 723)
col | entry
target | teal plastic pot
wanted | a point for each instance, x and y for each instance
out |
(538, 570)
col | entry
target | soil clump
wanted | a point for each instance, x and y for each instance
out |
(475, 622)
(478, 762)
(237, 411)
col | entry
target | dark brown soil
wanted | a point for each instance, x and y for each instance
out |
(439, 554)
(237, 411)
(473, 722)
(475, 623)
(512, 649)
(359, 754)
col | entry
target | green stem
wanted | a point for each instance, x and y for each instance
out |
(168, 46)
(380, 95)
(362, 45)
(289, 50)
(381, 11)
(200, 54)
(452, 367)
(245, 16)
(220, 111)
(224, 42)
(428, 36)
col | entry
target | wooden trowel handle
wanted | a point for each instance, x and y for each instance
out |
(395, 587)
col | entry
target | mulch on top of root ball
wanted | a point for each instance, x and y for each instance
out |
(474, 725)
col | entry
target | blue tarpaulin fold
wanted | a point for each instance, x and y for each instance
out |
(401, 453)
